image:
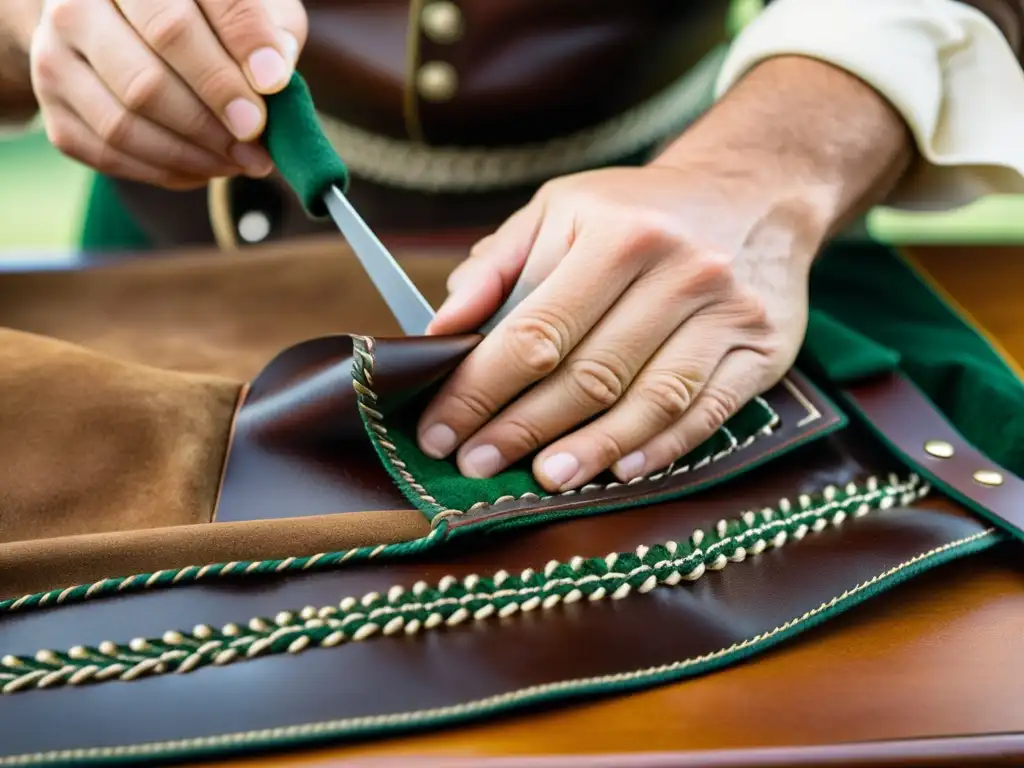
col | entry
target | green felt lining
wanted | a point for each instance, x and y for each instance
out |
(438, 488)
(872, 313)
(301, 152)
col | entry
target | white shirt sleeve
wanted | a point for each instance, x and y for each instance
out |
(942, 64)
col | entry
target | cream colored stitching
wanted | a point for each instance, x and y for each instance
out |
(453, 601)
(364, 346)
(354, 724)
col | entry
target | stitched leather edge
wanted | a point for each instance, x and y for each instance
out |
(804, 414)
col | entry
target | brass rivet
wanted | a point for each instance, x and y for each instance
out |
(442, 21)
(988, 477)
(437, 81)
(940, 449)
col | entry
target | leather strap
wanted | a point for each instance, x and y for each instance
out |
(901, 414)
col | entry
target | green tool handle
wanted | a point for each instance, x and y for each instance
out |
(299, 149)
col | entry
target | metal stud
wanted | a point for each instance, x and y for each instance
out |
(940, 449)
(437, 81)
(988, 477)
(442, 21)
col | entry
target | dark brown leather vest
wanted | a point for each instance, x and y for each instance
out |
(452, 112)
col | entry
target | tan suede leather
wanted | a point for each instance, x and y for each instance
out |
(119, 388)
(90, 444)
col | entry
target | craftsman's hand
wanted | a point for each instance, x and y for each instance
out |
(167, 92)
(666, 296)
(667, 299)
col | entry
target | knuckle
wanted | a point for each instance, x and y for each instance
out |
(217, 85)
(717, 407)
(670, 393)
(470, 405)
(606, 448)
(169, 28)
(520, 434)
(596, 382)
(45, 66)
(536, 343)
(753, 311)
(64, 15)
(241, 22)
(712, 273)
(144, 89)
(61, 137)
(647, 238)
(116, 128)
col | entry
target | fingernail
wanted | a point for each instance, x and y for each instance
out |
(438, 441)
(291, 47)
(482, 461)
(253, 159)
(269, 69)
(244, 118)
(630, 466)
(560, 468)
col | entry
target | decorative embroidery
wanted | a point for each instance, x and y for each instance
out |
(294, 734)
(453, 601)
(362, 382)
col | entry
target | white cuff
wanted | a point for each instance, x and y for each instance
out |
(943, 65)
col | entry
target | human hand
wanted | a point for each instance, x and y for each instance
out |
(665, 299)
(166, 92)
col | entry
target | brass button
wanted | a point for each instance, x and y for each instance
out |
(442, 21)
(940, 449)
(437, 81)
(988, 477)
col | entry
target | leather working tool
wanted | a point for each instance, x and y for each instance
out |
(292, 118)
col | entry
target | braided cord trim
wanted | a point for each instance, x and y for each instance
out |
(417, 166)
(452, 601)
(192, 574)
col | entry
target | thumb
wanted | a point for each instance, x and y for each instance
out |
(289, 16)
(478, 285)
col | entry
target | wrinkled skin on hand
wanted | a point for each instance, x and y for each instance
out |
(666, 298)
(166, 92)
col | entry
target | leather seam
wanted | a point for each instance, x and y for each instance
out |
(614, 576)
(364, 346)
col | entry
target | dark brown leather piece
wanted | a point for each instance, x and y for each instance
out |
(908, 421)
(527, 70)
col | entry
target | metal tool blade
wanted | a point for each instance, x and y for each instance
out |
(403, 298)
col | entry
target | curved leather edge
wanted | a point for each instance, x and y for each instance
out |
(299, 447)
